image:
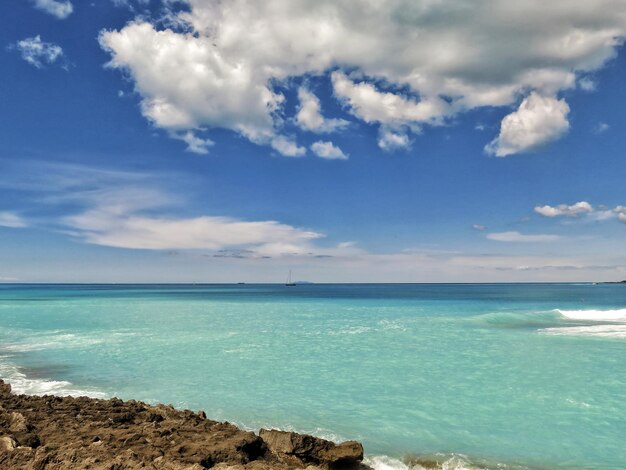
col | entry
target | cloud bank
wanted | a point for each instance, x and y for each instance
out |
(396, 64)
(583, 208)
(514, 236)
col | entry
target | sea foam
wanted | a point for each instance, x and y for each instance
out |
(605, 324)
(594, 315)
(22, 384)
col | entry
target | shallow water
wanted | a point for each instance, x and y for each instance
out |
(526, 374)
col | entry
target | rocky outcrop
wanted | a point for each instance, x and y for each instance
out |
(68, 433)
(297, 449)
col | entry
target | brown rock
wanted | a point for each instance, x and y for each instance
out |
(346, 453)
(17, 423)
(302, 449)
(7, 444)
(65, 433)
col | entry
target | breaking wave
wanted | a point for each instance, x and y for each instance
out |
(598, 324)
(22, 384)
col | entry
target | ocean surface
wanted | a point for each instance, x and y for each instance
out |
(477, 375)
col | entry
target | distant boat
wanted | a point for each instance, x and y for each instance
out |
(289, 282)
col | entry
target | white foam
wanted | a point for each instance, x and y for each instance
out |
(383, 462)
(57, 340)
(448, 462)
(21, 384)
(601, 331)
(351, 330)
(594, 315)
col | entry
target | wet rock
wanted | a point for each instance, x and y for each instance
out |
(345, 454)
(65, 433)
(303, 449)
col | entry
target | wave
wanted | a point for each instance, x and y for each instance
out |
(594, 315)
(598, 323)
(600, 331)
(436, 461)
(529, 320)
(22, 384)
(51, 340)
(560, 322)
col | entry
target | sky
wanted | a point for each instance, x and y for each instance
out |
(353, 141)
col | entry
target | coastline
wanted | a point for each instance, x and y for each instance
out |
(53, 432)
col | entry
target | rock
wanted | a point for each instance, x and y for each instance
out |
(290, 446)
(5, 389)
(17, 423)
(346, 453)
(7, 444)
(65, 433)
(29, 440)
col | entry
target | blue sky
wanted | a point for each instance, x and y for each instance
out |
(202, 141)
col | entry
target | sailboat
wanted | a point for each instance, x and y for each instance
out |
(289, 282)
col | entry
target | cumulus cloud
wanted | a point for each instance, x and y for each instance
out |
(309, 116)
(514, 236)
(12, 220)
(587, 84)
(583, 208)
(574, 210)
(37, 52)
(194, 143)
(328, 150)
(390, 140)
(391, 109)
(60, 9)
(395, 62)
(538, 120)
(287, 147)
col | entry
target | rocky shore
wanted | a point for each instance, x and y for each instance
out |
(50, 432)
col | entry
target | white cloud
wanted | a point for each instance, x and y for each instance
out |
(538, 120)
(12, 220)
(587, 84)
(574, 210)
(479, 227)
(392, 109)
(37, 52)
(129, 3)
(309, 116)
(520, 237)
(420, 62)
(287, 147)
(390, 140)
(583, 208)
(60, 9)
(601, 127)
(194, 143)
(328, 150)
(101, 226)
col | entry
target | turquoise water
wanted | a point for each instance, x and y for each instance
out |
(526, 374)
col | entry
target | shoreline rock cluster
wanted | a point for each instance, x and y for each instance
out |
(66, 433)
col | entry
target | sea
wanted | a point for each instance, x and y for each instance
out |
(472, 376)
